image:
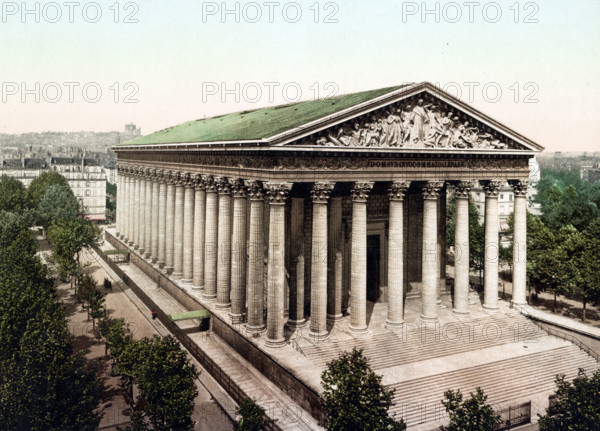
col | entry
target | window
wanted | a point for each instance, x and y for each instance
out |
(88, 193)
(501, 197)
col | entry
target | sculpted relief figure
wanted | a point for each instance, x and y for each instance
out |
(419, 126)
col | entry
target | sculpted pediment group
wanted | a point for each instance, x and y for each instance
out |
(423, 122)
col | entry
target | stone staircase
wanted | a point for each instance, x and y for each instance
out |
(506, 382)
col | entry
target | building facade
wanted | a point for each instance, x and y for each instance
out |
(315, 209)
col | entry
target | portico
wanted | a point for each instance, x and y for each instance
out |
(323, 207)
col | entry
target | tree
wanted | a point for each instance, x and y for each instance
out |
(13, 195)
(354, 397)
(473, 414)
(94, 298)
(40, 185)
(577, 405)
(116, 334)
(57, 203)
(67, 238)
(252, 416)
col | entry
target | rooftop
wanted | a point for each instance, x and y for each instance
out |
(259, 123)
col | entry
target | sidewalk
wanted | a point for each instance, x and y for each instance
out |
(121, 303)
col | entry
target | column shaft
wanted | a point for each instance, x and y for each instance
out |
(136, 212)
(255, 270)
(210, 238)
(162, 223)
(142, 215)
(334, 289)
(119, 218)
(148, 217)
(520, 243)
(188, 232)
(199, 231)
(461, 249)
(318, 275)
(155, 217)
(224, 244)
(430, 277)
(170, 225)
(277, 194)
(131, 208)
(490, 268)
(178, 228)
(395, 311)
(238, 253)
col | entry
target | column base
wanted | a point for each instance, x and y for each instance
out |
(321, 335)
(429, 319)
(275, 343)
(256, 329)
(490, 308)
(519, 303)
(359, 329)
(335, 317)
(197, 288)
(222, 305)
(296, 323)
(460, 313)
(236, 319)
(177, 275)
(185, 281)
(394, 325)
(209, 296)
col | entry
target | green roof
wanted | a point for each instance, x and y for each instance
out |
(259, 123)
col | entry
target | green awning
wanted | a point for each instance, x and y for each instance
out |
(198, 314)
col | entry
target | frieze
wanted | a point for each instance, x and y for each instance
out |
(416, 123)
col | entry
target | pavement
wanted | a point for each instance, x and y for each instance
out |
(208, 414)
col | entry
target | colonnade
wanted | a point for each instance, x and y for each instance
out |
(209, 232)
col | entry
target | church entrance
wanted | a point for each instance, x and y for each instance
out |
(373, 267)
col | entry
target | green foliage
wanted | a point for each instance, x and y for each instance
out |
(163, 374)
(252, 416)
(354, 397)
(67, 238)
(13, 195)
(40, 185)
(578, 404)
(43, 386)
(566, 199)
(111, 189)
(58, 202)
(473, 414)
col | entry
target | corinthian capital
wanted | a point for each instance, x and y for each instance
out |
(255, 190)
(519, 187)
(397, 190)
(491, 187)
(431, 189)
(321, 191)
(462, 189)
(277, 192)
(360, 191)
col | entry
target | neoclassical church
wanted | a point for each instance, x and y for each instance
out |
(303, 214)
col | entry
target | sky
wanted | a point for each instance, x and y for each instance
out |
(77, 65)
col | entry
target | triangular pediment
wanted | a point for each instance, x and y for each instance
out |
(418, 117)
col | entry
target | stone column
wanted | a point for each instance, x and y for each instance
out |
(137, 211)
(172, 178)
(441, 245)
(519, 296)
(155, 215)
(318, 274)
(461, 249)
(277, 194)
(178, 226)
(199, 231)
(224, 244)
(296, 270)
(148, 215)
(334, 288)
(188, 229)
(358, 264)
(119, 222)
(395, 309)
(490, 268)
(162, 219)
(210, 240)
(238, 253)
(130, 205)
(256, 244)
(430, 278)
(142, 213)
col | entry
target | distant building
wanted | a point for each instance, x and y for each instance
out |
(85, 176)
